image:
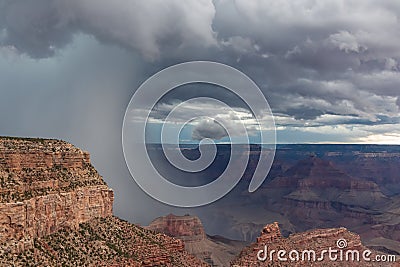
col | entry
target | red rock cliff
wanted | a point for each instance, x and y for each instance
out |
(187, 228)
(46, 185)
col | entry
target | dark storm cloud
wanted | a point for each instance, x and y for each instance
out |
(194, 90)
(40, 27)
(34, 27)
(304, 113)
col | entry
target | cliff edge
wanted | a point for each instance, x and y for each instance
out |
(46, 185)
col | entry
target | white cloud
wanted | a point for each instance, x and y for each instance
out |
(346, 41)
(240, 44)
(209, 119)
(391, 64)
(387, 139)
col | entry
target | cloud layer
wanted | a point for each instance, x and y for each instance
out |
(310, 58)
(152, 27)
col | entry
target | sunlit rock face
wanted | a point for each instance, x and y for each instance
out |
(47, 185)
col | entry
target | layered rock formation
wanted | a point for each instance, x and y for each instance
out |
(316, 192)
(216, 251)
(36, 167)
(314, 185)
(380, 166)
(43, 215)
(314, 180)
(188, 228)
(46, 185)
(298, 249)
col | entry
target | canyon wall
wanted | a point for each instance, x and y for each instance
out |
(46, 185)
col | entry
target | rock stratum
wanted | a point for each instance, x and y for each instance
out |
(56, 210)
(46, 185)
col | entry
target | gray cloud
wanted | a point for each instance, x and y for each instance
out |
(306, 48)
(34, 27)
(303, 112)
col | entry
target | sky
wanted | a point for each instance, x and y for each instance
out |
(329, 69)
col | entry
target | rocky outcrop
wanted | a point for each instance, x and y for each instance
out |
(188, 228)
(216, 251)
(298, 249)
(36, 167)
(46, 185)
(17, 154)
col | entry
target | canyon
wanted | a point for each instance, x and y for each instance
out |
(316, 186)
(56, 210)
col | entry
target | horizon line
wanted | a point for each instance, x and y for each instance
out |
(324, 143)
